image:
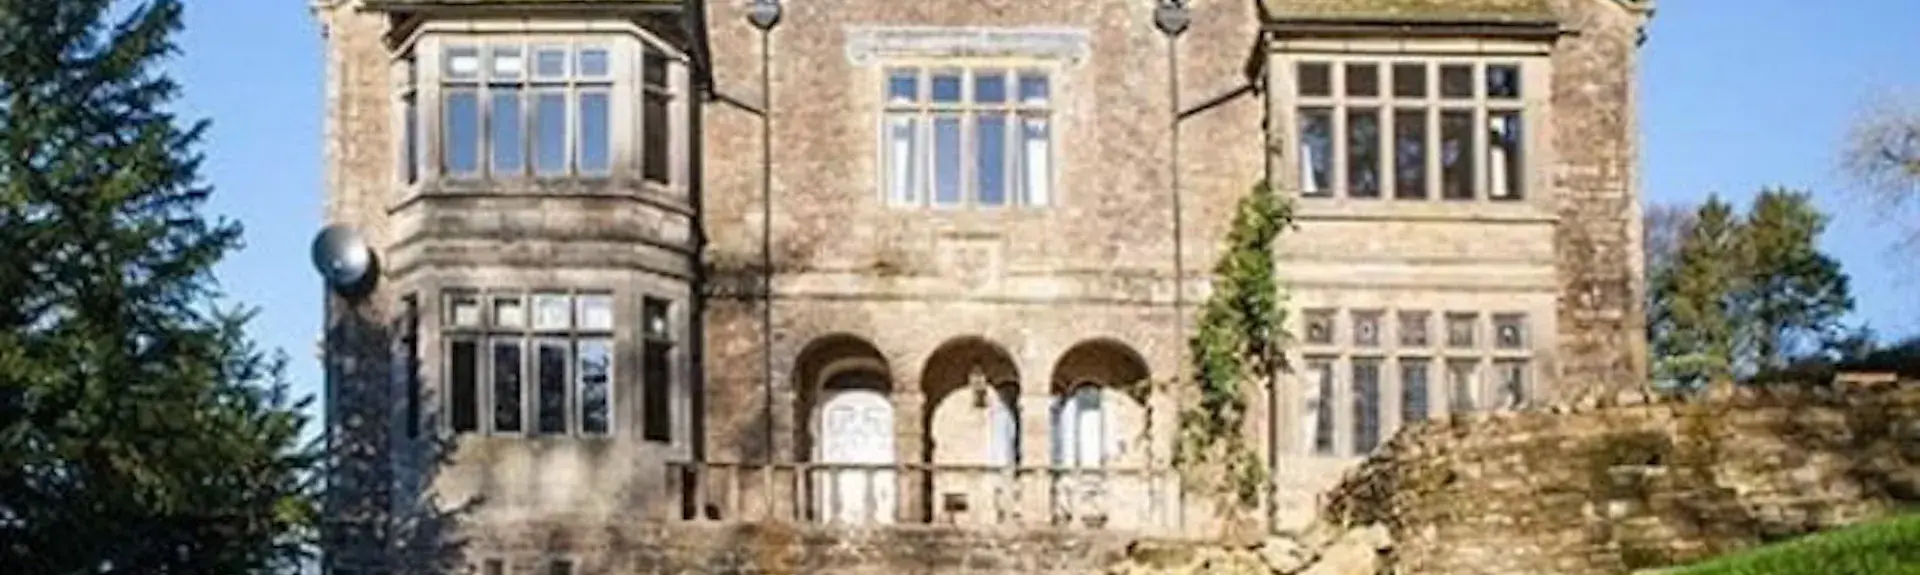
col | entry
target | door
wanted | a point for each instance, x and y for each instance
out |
(856, 427)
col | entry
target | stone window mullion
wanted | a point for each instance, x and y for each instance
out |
(1337, 106)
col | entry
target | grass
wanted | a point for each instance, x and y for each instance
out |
(1889, 547)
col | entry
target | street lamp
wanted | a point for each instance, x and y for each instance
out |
(763, 14)
(1171, 17)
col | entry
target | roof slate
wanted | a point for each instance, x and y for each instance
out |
(1411, 10)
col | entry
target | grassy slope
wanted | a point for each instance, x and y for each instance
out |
(1890, 547)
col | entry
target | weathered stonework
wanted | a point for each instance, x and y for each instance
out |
(1634, 482)
(1025, 303)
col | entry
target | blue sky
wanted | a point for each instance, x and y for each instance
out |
(1737, 94)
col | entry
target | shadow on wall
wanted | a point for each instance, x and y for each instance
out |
(379, 513)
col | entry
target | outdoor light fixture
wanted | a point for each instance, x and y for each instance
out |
(1171, 17)
(344, 260)
(763, 14)
(977, 381)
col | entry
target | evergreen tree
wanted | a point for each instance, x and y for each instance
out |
(140, 431)
(1694, 341)
(1795, 295)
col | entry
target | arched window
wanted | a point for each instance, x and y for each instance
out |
(1079, 429)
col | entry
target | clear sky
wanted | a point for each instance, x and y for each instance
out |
(1737, 94)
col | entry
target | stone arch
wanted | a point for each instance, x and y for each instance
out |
(835, 362)
(1121, 376)
(844, 414)
(970, 386)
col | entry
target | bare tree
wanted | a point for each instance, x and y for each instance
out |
(1665, 226)
(1881, 155)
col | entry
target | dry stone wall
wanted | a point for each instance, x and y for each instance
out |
(1636, 482)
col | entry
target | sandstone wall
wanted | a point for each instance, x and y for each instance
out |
(1635, 483)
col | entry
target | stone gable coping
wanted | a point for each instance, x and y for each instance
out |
(868, 44)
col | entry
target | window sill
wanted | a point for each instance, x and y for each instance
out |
(1327, 208)
(660, 195)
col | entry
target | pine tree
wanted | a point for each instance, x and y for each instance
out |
(1695, 339)
(140, 430)
(1796, 295)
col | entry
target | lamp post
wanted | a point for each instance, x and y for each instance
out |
(346, 265)
(763, 15)
(1171, 18)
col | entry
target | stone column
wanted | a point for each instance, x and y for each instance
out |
(910, 425)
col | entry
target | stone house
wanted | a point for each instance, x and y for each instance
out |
(644, 262)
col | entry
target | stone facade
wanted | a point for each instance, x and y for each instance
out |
(794, 283)
(1635, 483)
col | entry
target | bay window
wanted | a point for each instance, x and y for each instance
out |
(1410, 129)
(530, 363)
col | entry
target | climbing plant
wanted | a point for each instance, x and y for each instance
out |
(1236, 344)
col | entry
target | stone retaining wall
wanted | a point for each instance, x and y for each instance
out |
(1637, 482)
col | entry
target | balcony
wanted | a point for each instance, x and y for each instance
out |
(1133, 500)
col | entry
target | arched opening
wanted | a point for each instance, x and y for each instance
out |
(1099, 427)
(845, 401)
(971, 431)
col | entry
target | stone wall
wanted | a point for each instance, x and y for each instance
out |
(1636, 482)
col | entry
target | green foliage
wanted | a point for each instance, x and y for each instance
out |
(1890, 547)
(1746, 293)
(140, 431)
(1237, 342)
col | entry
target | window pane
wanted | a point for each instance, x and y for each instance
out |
(1410, 154)
(1456, 81)
(552, 311)
(550, 133)
(507, 373)
(596, 142)
(593, 62)
(1363, 80)
(1036, 162)
(1319, 424)
(990, 158)
(1319, 326)
(1410, 80)
(1505, 158)
(1366, 405)
(656, 392)
(655, 313)
(946, 87)
(989, 87)
(1460, 329)
(903, 167)
(460, 137)
(410, 146)
(493, 567)
(1316, 152)
(551, 364)
(407, 362)
(508, 63)
(1366, 329)
(463, 371)
(658, 166)
(653, 69)
(1456, 155)
(463, 310)
(508, 148)
(903, 86)
(1509, 331)
(463, 63)
(549, 63)
(1503, 82)
(1513, 382)
(509, 312)
(596, 312)
(1316, 79)
(1460, 378)
(946, 160)
(1363, 153)
(1033, 88)
(560, 567)
(1413, 329)
(1413, 390)
(595, 373)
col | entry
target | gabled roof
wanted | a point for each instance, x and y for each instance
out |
(1409, 11)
